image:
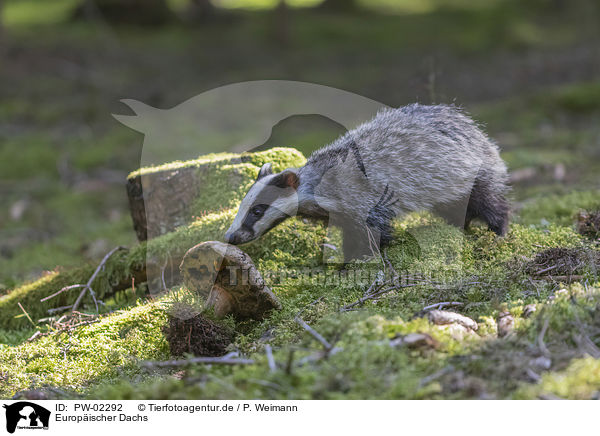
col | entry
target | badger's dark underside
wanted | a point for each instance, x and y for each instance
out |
(485, 203)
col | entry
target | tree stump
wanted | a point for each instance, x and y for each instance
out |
(169, 196)
(163, 200)
(228, 279)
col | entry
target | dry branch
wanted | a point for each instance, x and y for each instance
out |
(88, 285)
(442, 304)
(328, 347)
(66, 288)
(270, 358)
(26, 314)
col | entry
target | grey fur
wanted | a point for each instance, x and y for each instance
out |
(408, 159)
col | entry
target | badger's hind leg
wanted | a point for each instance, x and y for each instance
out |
(489, 205)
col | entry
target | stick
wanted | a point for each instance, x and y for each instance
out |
(546, 270)
(314, 334)
(374, 296)
(88, 285)
(66, 288)
(205, 360)
(436, 375)
(444, 304)
(563, 278)
(290, 362)
(541, 343)
(26, 314)
(34, 336)
(270, 358)
(59, 309)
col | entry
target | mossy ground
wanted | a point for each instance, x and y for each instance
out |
(482, 272)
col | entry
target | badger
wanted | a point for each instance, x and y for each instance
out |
(414, 158)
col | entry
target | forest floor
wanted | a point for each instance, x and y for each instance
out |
(534, 83)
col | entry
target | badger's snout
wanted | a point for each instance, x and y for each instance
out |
(238, 237)
(232, 238)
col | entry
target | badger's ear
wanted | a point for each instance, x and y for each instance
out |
(286, 179)
(266, 170)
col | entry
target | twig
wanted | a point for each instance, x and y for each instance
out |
(314, 334)
(315, 357)
(59, 309)
(88, 285)
(290, 362)
(563, 278)
(540, 272)
(443, 304)
(66, 288)
(270, 358)
(312, 303)
(34, 336)
(194, 360)
(374, 296)
(436, 375)
(26, 314)
(162, 274)
(540, 338)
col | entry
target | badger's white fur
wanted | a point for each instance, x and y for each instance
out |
(408, 159)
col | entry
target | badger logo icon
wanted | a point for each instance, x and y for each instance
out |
(26, 415)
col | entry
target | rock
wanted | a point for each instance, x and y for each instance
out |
(529, 310)
(458, 331)
(444, 317)
(415, 340)
(540, 363)
(228, 279)
(506, 324)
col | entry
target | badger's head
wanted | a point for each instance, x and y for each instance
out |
(272, 199)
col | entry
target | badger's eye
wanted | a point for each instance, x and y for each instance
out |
(257, 211)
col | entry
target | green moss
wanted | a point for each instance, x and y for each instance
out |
(119, 267)
(579, 381)
(281, 158)
(482, 272)
(559, 209)
(107, 350)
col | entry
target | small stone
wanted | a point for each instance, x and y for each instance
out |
(529, 310)
(443, 317)
(540, 363)
(415, 340)
(506, 324)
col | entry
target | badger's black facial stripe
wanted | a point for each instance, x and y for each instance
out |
(254, 214)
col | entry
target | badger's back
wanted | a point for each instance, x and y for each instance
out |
(425, 155)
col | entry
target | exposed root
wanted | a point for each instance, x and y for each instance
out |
(198, 336)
